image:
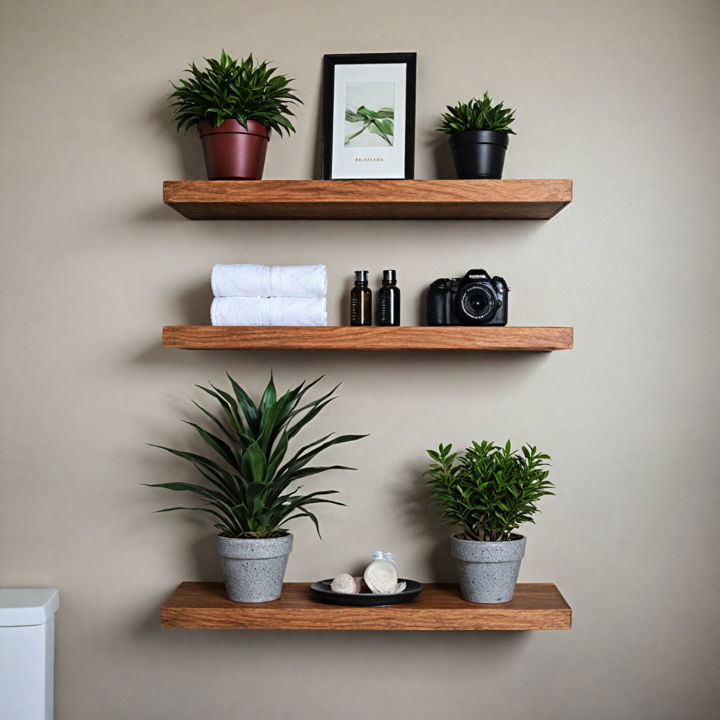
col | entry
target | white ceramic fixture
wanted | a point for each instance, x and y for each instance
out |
(27, 624)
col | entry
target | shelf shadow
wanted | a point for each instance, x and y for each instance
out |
(413, 503)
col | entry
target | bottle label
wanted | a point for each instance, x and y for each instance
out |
(388, 307)
(384, 307)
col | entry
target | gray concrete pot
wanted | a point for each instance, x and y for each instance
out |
(254, 568)
(487, 571)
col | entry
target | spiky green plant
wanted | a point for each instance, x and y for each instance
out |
(248, 479)
(229, 88)
(477, 115)
(489, 490)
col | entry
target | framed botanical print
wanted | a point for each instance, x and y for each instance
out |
(368, 116)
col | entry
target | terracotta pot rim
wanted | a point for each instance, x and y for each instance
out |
(233, 127)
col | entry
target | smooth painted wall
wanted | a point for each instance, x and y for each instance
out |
(620, 96)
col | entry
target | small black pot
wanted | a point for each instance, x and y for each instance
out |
(479, 154)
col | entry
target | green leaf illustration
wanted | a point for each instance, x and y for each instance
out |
(378, 122)
(383, 128)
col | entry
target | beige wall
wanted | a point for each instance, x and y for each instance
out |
(621, 97)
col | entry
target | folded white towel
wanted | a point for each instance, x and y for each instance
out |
(305, 281)
(268, 311)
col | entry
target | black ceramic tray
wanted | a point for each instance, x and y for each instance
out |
(324, 593)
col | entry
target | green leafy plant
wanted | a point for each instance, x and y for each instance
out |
(237, 89)
(477, 115)
(489, 490)
(248, 478)
(379, 122)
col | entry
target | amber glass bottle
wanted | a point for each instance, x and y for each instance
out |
(388, 300)
(361, 300)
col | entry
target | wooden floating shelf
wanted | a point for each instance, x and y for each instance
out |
(367, 199)
(536, 606)
(515, 339)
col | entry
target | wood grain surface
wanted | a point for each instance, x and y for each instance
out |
(536, 606)
(367, 199)
(209, 337)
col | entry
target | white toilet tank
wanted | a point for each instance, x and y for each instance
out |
(27, 652)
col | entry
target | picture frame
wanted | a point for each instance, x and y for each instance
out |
(369, 116)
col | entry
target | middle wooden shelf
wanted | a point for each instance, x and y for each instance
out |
(511, 339)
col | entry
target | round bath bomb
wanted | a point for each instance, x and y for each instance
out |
(344, 583)
(381, 577)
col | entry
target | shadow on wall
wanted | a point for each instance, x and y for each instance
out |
(316, 169)
(441, 153)
(413, 502)
(266, 645)
(189, 165)
(194, 304)
(207, 564)
(335, 362)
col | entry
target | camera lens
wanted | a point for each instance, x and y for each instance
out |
(476, 303)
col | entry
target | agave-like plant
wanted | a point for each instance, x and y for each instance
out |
(248, 481)
(477, 115)
(229, 88)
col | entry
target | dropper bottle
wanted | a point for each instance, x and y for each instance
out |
(388, 302)
(361, 300)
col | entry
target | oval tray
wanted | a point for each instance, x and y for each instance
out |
(321, 588)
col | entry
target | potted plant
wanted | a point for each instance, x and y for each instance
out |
(479, 133)
(488, 492)
(247, 488)
(234, 103)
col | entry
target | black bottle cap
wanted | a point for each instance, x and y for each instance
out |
(361, 276)
(389, 277)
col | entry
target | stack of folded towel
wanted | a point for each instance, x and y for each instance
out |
(269, 295)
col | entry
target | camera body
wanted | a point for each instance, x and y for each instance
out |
(476, 299)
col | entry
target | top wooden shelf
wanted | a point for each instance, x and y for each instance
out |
(367, 199)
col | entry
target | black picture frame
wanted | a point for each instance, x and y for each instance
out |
(330, 63)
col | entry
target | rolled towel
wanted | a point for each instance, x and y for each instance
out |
(305, 281)
(268, 311)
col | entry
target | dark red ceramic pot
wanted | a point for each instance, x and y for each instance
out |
(232, 152)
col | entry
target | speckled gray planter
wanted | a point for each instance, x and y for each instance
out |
(487, 571)
(254, 569)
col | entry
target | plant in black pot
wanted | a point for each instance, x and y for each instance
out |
(488, 492)
(234, 103)
(250, 486)
(479, 133)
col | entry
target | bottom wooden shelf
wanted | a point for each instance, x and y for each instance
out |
(536, 606)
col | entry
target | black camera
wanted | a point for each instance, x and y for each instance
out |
(476, 299)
